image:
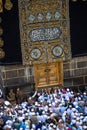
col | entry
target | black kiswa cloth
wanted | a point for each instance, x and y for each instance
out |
(11, 35)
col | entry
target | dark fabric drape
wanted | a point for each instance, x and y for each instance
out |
(11, 35)
(78, 26)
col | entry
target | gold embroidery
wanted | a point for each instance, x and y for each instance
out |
(1, 6)
(1, 31)
(8, 5)
(1, 42)
(2, 53)
(44, 24)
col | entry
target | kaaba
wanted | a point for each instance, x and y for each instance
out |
(43, 44)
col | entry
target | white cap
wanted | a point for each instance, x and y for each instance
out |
(7, 103)
(36, 103)
(81, 117)
(79, 98)
(84, 93)
(60, 120)
(73, 109)
(71, 92)
(21, 129)
(51, 124)
(76, 106)
(67, 89)
(32, 110)
(43, 112)
(74, 116)
(54, 126)
(27, 126)
(77, 118)
(84, 127)
(50, 104)
(33, 126)
(73, 121)
(70, 106)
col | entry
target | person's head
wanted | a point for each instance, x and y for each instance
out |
(18, 89)
(23, 120)
(10, 118)
(70, 106)
(11, 90)
(16, 120)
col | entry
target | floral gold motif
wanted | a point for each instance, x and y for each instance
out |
(8, 5)
(2, 53)
(1, 31)
(1, 42)
(1, 6)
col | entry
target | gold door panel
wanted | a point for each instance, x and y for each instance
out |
(48, 74)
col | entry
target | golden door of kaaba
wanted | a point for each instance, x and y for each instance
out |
(48, 74)
(45, 38)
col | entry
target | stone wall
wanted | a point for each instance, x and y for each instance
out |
(75, 72)
(75, 75)
(15, 76)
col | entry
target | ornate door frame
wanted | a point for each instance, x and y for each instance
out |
(48, 74)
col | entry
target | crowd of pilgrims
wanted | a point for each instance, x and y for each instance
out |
(48, 109)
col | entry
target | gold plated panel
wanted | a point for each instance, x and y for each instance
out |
(48, 74)
(44, 30)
